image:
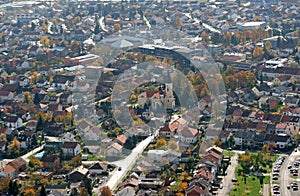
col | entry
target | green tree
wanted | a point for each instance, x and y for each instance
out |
(216, 38)
(74, 192)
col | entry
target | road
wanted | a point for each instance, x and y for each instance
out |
(285, 178)
(34, 151)
(18, 3)
(102, 24)
(207, 26)
(227, 184)
(126, 164)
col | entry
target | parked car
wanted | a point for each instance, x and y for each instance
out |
(234, 180)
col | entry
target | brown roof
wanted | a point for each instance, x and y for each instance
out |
(69, 145)
(189, 132)
(8, 169)
(116, 146)
(49, 158)
(209, 157)
(204, 173)
(195, 190)
(170, 127)
(4, 93)
(18, 163)
(285, 119)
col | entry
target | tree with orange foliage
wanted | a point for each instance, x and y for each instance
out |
(29, 192)
(117, 27)
(15, 145)
(182, 186)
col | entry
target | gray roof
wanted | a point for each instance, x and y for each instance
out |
(126, 192)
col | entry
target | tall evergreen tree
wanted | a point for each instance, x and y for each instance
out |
(36, 99)
(97, 26)
(39, 124)
(43, 191)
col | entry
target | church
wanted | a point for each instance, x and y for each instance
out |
(156, 99)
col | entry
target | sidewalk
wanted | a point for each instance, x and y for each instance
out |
(266, 190)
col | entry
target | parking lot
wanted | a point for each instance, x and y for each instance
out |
(285, 175)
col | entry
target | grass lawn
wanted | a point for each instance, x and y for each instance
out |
(92, 158)
(252, 186)
(267, 180)
(227, 153)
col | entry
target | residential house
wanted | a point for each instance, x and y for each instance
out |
(156, 155)
(12, 121)
(52, 147)
(281, 140)
(172, 156)
(65, 99)
(204, 173)
(127, 191)
(168, 131)
(71, 149)
(19, 164)
(121, 139)
(212, 134)
(244, 138)
(53, 107)
(31, 125)
(261, 90)
(189, 135)
(140, 130)
(131, 182)
(78, 174)
(224, 136)
(6, 95)
(97, 168)
(8, 171)
(67, 137)
(53, 129)
(25, 138)
(292, 101)
(114, 150)
(50, 161)
(281, 128)
(195, 190)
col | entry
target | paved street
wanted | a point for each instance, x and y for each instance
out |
(227, 184)
(285, 178)
(127, 163)
(34, 151)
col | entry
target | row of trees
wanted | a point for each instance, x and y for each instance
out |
(235, 38)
